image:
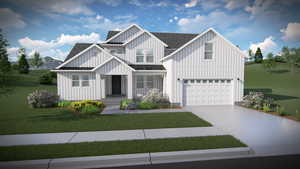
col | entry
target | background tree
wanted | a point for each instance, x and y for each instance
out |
(36, 61)
(4, 63)
(258, 57)
(292, 57)
(269, 63)
(251, 56)
(23, 66)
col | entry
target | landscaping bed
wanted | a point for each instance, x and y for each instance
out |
(116, 147)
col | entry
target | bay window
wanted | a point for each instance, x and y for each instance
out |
(143, 82)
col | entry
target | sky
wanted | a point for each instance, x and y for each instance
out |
(53, 27)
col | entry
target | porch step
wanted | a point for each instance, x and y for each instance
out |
(113, 100)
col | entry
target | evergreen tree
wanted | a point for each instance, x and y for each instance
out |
(36, 60)
(258, 57)
(4, 63)
(23, 65)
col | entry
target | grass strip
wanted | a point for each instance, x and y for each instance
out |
(14, 153)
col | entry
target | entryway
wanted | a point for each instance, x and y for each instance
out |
(116, 85)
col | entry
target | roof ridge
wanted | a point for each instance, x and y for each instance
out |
(164, 32)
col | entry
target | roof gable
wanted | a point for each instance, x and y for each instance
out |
(197, 37)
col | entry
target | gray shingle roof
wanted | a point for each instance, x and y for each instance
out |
(76, 68)
(148, 67)
(173, 40)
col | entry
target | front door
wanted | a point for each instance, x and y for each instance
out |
(116, 84)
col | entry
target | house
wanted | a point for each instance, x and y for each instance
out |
(192, 69)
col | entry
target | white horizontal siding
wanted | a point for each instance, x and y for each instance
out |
(126, 35)
(90, 58)
(189, 63)
(67, 92)
(144, 41)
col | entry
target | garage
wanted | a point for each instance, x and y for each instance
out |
(207, 92)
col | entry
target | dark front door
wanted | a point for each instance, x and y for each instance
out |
(116, 84)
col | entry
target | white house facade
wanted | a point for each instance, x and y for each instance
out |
(191, 69)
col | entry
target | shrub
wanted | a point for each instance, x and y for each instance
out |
(257, 100)
(64, 103)
(42, 98)
(81, 106)
(127, 104)
(266, 107)
(155, 96)
(280, 111)
(147, 105)
(89, 110)
(46, 78)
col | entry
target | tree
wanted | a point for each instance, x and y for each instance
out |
(23, 65)
(251, 56)
(269, 63)
(36, 60)
(4, 63)
(292, 57)
(258, 57)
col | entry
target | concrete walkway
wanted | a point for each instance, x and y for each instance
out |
(115, 109)
(77, 137)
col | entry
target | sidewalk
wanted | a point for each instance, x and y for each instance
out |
(115, 109)
(77, 137)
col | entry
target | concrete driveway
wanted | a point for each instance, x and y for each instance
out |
(266, 134)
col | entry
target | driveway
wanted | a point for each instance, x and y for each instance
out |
(266, 134)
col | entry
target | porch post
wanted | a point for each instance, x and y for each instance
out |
(164, 84)
(129, 86)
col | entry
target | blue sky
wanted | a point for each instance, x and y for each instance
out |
(53, 27)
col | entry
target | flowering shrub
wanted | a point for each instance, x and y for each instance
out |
(42, 98)
(87, 106)
(257, 100)
(155, 96)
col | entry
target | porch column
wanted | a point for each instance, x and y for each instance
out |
(129, 86)
(164, 84)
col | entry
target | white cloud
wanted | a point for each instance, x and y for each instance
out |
(10, 19)
(213, 19)
(266, 46)
(238, 32)
(135, 2)
(170, 20)
(106, 24)
(53, 47)
(234, 4)
(13, 53)
(150, 3)
(175, 18)
(129, 17)
(291, 32)
(112, 3)
(191, 4)
(98, 17)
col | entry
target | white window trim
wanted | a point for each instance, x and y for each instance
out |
(145, 82)
(80, 80)
(213, 52)
(144, 56)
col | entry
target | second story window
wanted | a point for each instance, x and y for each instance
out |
(144, 56)
(208, 53)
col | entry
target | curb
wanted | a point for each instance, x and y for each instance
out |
(129, 159)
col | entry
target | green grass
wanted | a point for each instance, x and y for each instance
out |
(17, 117)
(281, 84)
(116, 147)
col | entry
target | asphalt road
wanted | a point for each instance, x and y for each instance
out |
(271, 162)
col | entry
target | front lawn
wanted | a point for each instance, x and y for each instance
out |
(116, 147)
(17, 117)
(281, 85)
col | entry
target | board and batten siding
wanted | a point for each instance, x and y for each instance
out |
(123, 37)
(144, 41)
(90, 58)
(113, 67)
(67, 92)
(189, 63)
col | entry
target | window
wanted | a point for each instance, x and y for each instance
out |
(116, 51)
(84, 80)
(149, 56)
(192, 81)
(149, 82)
(139, 55)
(208, 54)
(198, 81)
(185, 81)
(144, 82)
(139, 82)
(144, 55)
(75, 80)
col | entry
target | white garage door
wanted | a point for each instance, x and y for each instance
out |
(207, 92)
